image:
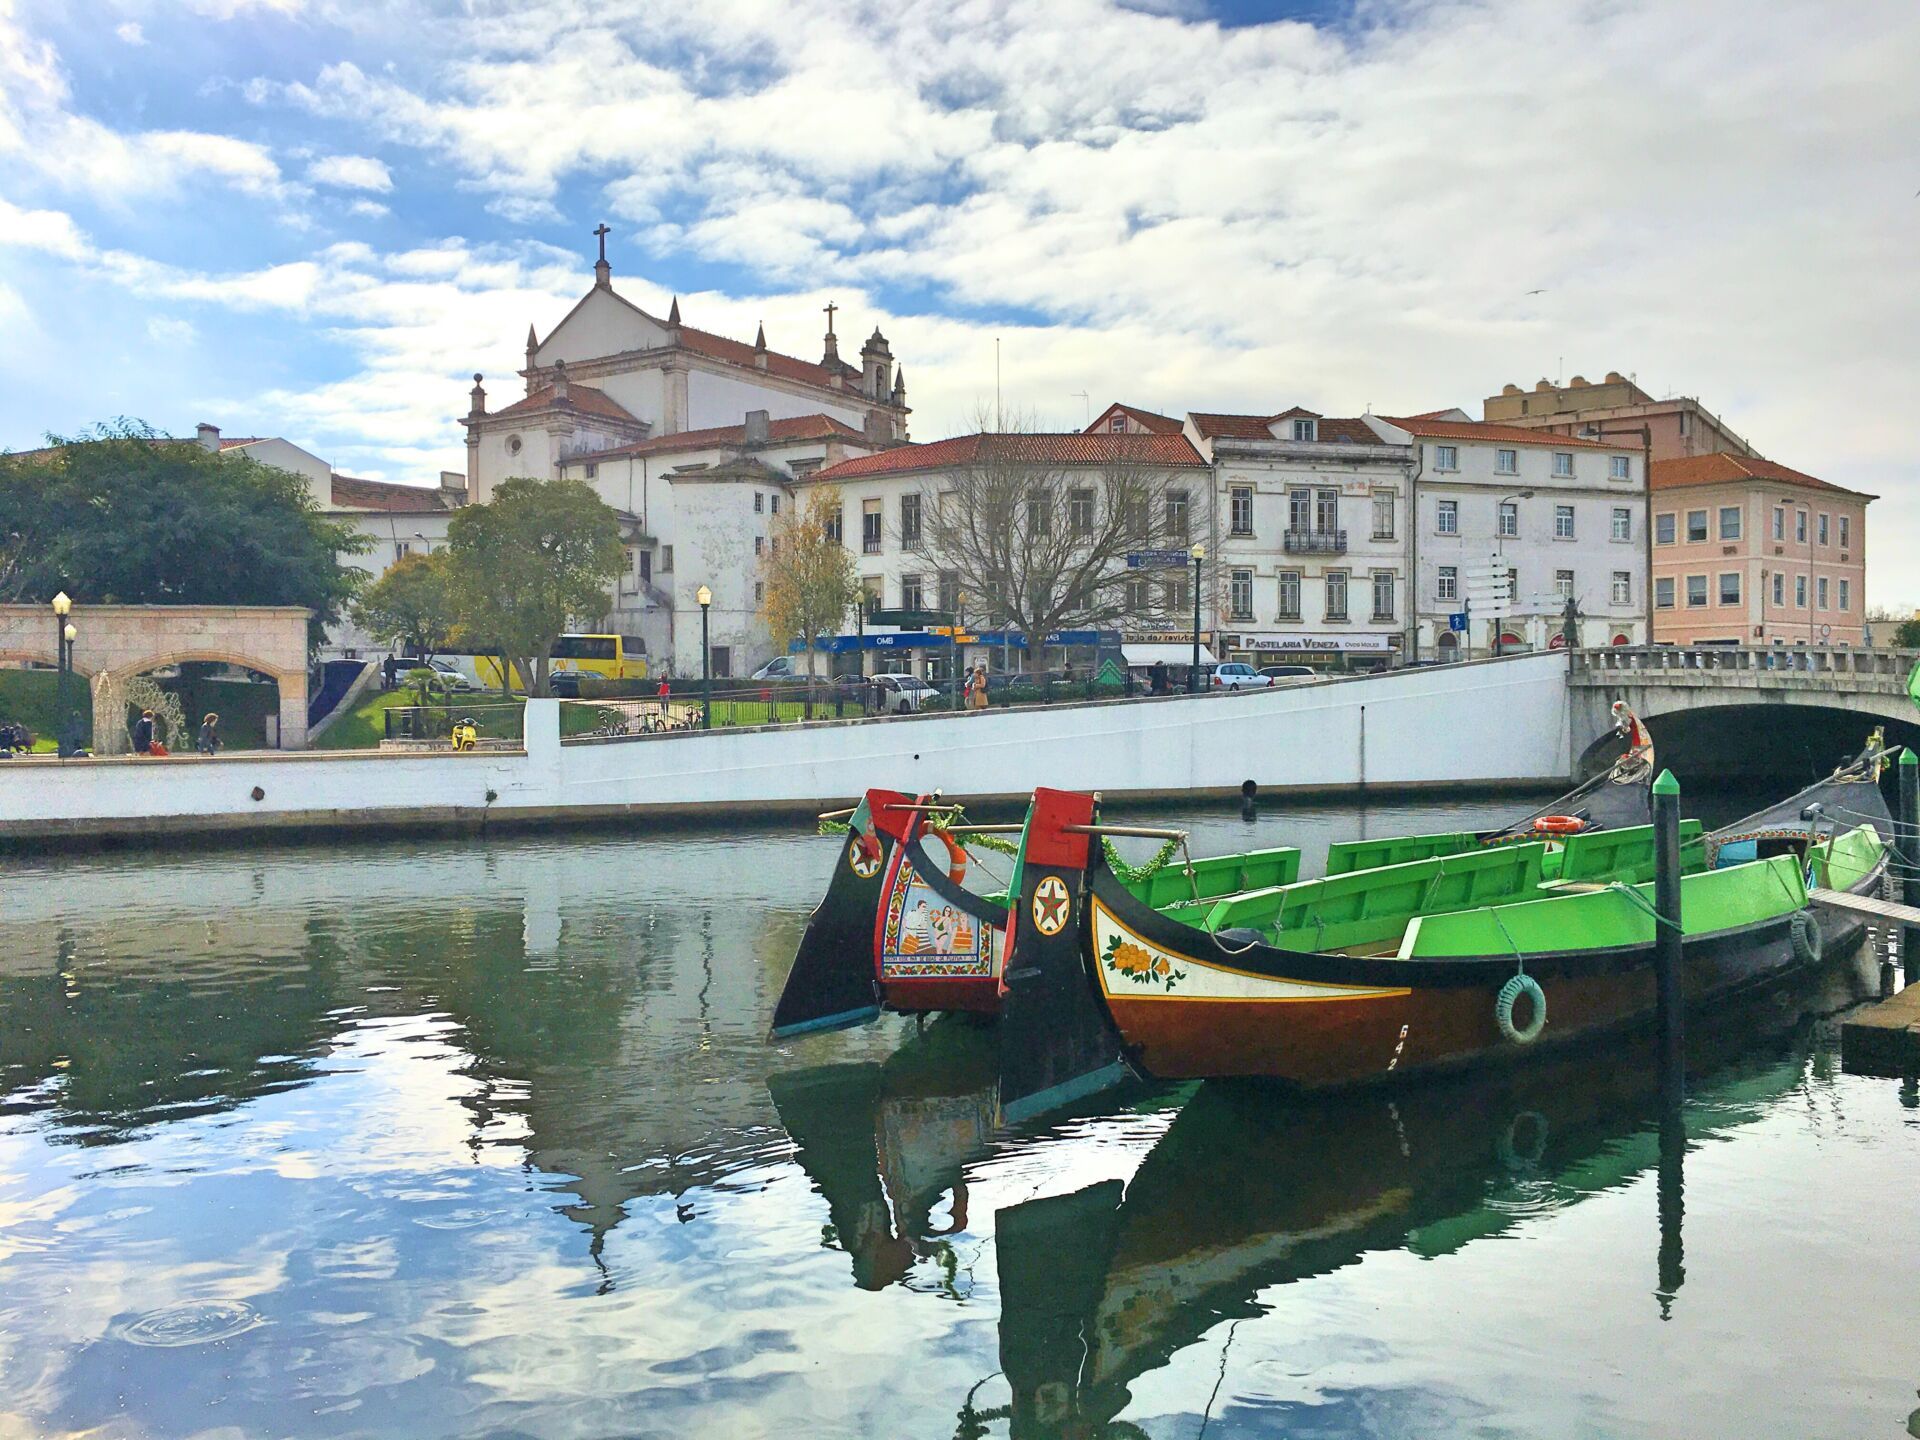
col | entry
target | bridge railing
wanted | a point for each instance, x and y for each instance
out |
(1811, 663)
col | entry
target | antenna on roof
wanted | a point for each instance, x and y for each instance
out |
(999, 424)
(1083, 395)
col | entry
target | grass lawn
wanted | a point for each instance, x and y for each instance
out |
(363, 727)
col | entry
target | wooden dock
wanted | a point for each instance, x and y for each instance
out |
(1883, 1039)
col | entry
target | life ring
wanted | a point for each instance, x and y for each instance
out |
(956, 857)
(1503, 1009)
(1559, 825)
(1804, 931)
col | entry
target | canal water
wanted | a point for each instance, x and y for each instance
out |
(482, 1138)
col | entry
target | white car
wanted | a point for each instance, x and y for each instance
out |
(904, 693)
(1236, 676)
(781, 667)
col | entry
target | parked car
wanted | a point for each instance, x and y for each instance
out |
(1235, 675)
(904, 693)
(781, 667)
(448, 672)
(1289, 674)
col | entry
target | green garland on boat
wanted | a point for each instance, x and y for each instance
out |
(955, 825)
(1132, 875)
(833, 827)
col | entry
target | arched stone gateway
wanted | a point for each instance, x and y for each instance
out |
(114, 643)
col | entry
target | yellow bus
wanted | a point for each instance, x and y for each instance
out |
(613, 657)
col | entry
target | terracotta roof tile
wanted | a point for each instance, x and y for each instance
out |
(1717, 469)
(351, 493)
(1148, 420)
(1076, 448)
(583, 398)
(789, 367)
(1429, 429)
(1334, 431)
(794, 428)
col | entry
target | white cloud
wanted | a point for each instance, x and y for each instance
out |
(351, 172)
(131, 33)
(368, 209)
(170, 330)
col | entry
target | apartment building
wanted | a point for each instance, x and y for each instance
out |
(1750, 552)
(1617, 411)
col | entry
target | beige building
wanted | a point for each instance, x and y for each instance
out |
(1749, 552)
(1616, 411)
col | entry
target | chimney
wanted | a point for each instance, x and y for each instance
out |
(758, 428)
(559, 380)
(207, 436)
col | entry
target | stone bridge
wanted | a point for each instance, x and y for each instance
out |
(1665, 683)
(115, 643)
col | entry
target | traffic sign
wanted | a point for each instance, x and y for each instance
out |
(1457, 621)
(1155, 559)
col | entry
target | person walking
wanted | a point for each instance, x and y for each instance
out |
(977, 688)
(1162, 683)
(143, 733)
(665, 693)
(209, 734)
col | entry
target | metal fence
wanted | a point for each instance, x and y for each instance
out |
(433, 724)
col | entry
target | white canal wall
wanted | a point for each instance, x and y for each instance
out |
(1488, 723)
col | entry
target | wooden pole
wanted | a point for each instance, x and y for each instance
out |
(1908, 843)
(1667, 957)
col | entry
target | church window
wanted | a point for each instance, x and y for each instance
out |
(910, 520)
(870, 527)
(1080, 513)
(836, 525)
(513, 444)
(759, 502)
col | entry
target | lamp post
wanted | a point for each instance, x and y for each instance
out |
(63, 636)
(1500, 554)
(959, 629)
(705, 597)
(1197, 553)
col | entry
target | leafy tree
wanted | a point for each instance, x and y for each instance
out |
(535, 559)
(412, 605)
(808, 574)
(125, 515)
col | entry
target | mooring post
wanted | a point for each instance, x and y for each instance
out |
(1907, 845)
(1666, 935)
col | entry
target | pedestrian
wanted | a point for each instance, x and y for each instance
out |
(1162, 683)
(209, 734)
(143, 733)
(665, 692)
(977, 688)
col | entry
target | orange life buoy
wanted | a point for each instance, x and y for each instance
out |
(956, 857)
(1559, 825)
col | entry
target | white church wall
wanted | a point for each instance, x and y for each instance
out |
(285, 455)
(641, 393)
(724, 399)
(716, 528)
(603, 324)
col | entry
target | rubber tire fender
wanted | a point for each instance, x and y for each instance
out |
(1803, 929)
(1503, 1009)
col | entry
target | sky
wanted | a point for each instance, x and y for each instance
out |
(319, 219)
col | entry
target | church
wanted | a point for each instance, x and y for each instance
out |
(693, 438)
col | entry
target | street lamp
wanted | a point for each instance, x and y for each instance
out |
(63, 637)
(959, 629)
(705, 597)
(1500, 553)
(1198, 553)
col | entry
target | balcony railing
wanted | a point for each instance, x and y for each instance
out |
(1315, 542)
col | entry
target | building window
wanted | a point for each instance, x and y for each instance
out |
(1179, 596)
(910, 521)
(593, 469)
(1509, 520)
(1289, 595)
(773, 503)
(1686, 422)
(1118, 424)
(948, 582)
(1383, 514)
(1446, 457)
(802, 468)
(1846, 532)
(1730, 587)
(1303, 430)
(1824, 532)
(1326, 511)
(1663, 531)
(1299, 511)
(1779, 588)
(1563, 464)
(1846, 595)
(1506, 462)
(666, 557)
(1623, 587)
(1821, 587)
(1336, 595)
(1039, 514)
(644, 559)
(1696, 525)
(1240, 594)
(759, 544)
(1447, 521)
(1663, 592)
(1729, 522)
(836, 525)
(1177, 515)
(1240, 515)
(1799, 592)
(1619, 467)
(1080, 513)
(1563, 584)
(759, 502)
(911, 596)
(1622, 523)
(1563, 522)
(1382, 595)
(1800, 526)
(871, 586)
(1139, 596)
(870, 527)
(1696, 590)
(722, 656)
(1449, 586)
(759, 592)
(1779, 522)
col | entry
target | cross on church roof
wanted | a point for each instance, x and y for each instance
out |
(602, 233)
(830, 308)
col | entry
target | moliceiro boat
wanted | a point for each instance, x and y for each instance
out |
(1477, 956)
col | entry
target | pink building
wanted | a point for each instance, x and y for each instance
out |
(1748, 552)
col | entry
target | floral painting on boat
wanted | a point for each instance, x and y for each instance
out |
(1136, 963)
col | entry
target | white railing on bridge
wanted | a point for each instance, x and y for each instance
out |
(1813, 664)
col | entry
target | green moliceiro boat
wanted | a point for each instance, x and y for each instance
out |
(1456, 959)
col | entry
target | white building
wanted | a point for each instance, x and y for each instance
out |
(1308, 557)
(1565, 516)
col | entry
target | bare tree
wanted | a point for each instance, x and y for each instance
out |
(1036, 529)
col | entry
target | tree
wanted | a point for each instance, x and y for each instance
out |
(535, 559)
(808, 576)
(1037, 532)
(125, 515)
(412, 605)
